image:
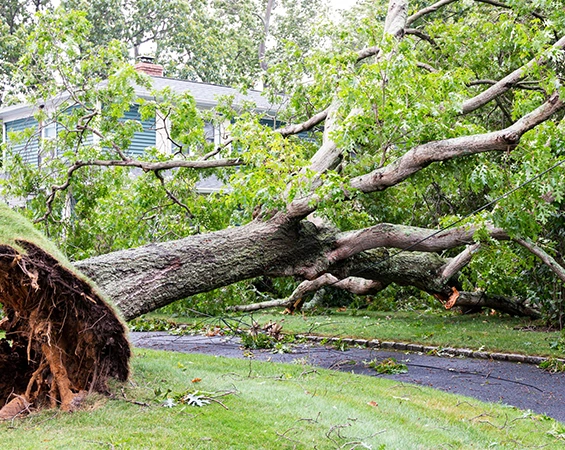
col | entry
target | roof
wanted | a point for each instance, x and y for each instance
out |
(205, 95)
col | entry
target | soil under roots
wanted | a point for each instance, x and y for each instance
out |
(62, 339)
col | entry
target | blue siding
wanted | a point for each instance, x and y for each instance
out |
(28, 149)
(141, 140)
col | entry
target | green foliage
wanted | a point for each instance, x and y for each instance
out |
(387, 366)
(553, 365)
(257, 341)
(215, 302)
(268, 336)
(148, 324)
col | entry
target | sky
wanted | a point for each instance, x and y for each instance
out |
(342, 4)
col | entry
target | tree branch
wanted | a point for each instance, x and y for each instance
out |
(304, 126)
(295, 301)
(395, 21)
(144, 165)
(148, 166)
(509, 81)
(545, 257)
(172, 196)
(368, 52)
(425, 11)
(277, 303)
(97, 133)
(519, 85)
(328, 153)
(426, 66)
(423, 271)
(423, 155)
(494, 3)
(421, 35)
(512, 306)
(436, 6)
(406, 238)
(460, 261)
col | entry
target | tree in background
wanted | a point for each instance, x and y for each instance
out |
(214, 41)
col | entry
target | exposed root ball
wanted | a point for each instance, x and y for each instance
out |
(62, 338)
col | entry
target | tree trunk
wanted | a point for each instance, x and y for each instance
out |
(146, 278)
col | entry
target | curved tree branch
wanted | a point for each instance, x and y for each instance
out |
(460, 261)
(368, 52)
(386, 235)
(423, 155)
(545, 257)
(528, 86)
(144, 165)
(295, 301)
(421, 35)
(425, 11)
(509, 81)
(304, 126)
(426, 66)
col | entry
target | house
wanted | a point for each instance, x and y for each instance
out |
(20, 117)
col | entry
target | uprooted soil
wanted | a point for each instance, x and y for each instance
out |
(62, 339)
(521, 385)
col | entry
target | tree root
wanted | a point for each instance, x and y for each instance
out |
(62, 338)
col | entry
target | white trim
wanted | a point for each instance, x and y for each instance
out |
(162, 129)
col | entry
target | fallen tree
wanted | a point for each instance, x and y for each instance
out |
(283, 242)
(53, 314)
(146, 278)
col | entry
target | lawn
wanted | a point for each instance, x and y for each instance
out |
(430, 327)
(267, 405)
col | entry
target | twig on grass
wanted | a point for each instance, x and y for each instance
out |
(305, 419)
(284, 436)
(133, 402)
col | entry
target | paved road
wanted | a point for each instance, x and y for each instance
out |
(521, 385)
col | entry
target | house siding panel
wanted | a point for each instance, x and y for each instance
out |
(143, 139)
(27, 149)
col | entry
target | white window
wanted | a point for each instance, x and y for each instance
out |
(209, 132)
(48, 134)
(50, 131)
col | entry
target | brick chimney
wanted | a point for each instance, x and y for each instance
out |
(146, 65)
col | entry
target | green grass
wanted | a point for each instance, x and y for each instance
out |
(278, 406)
(430, 327)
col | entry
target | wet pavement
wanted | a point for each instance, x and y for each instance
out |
(521, 385)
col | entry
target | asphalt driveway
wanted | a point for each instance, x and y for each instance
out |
(521, 385)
